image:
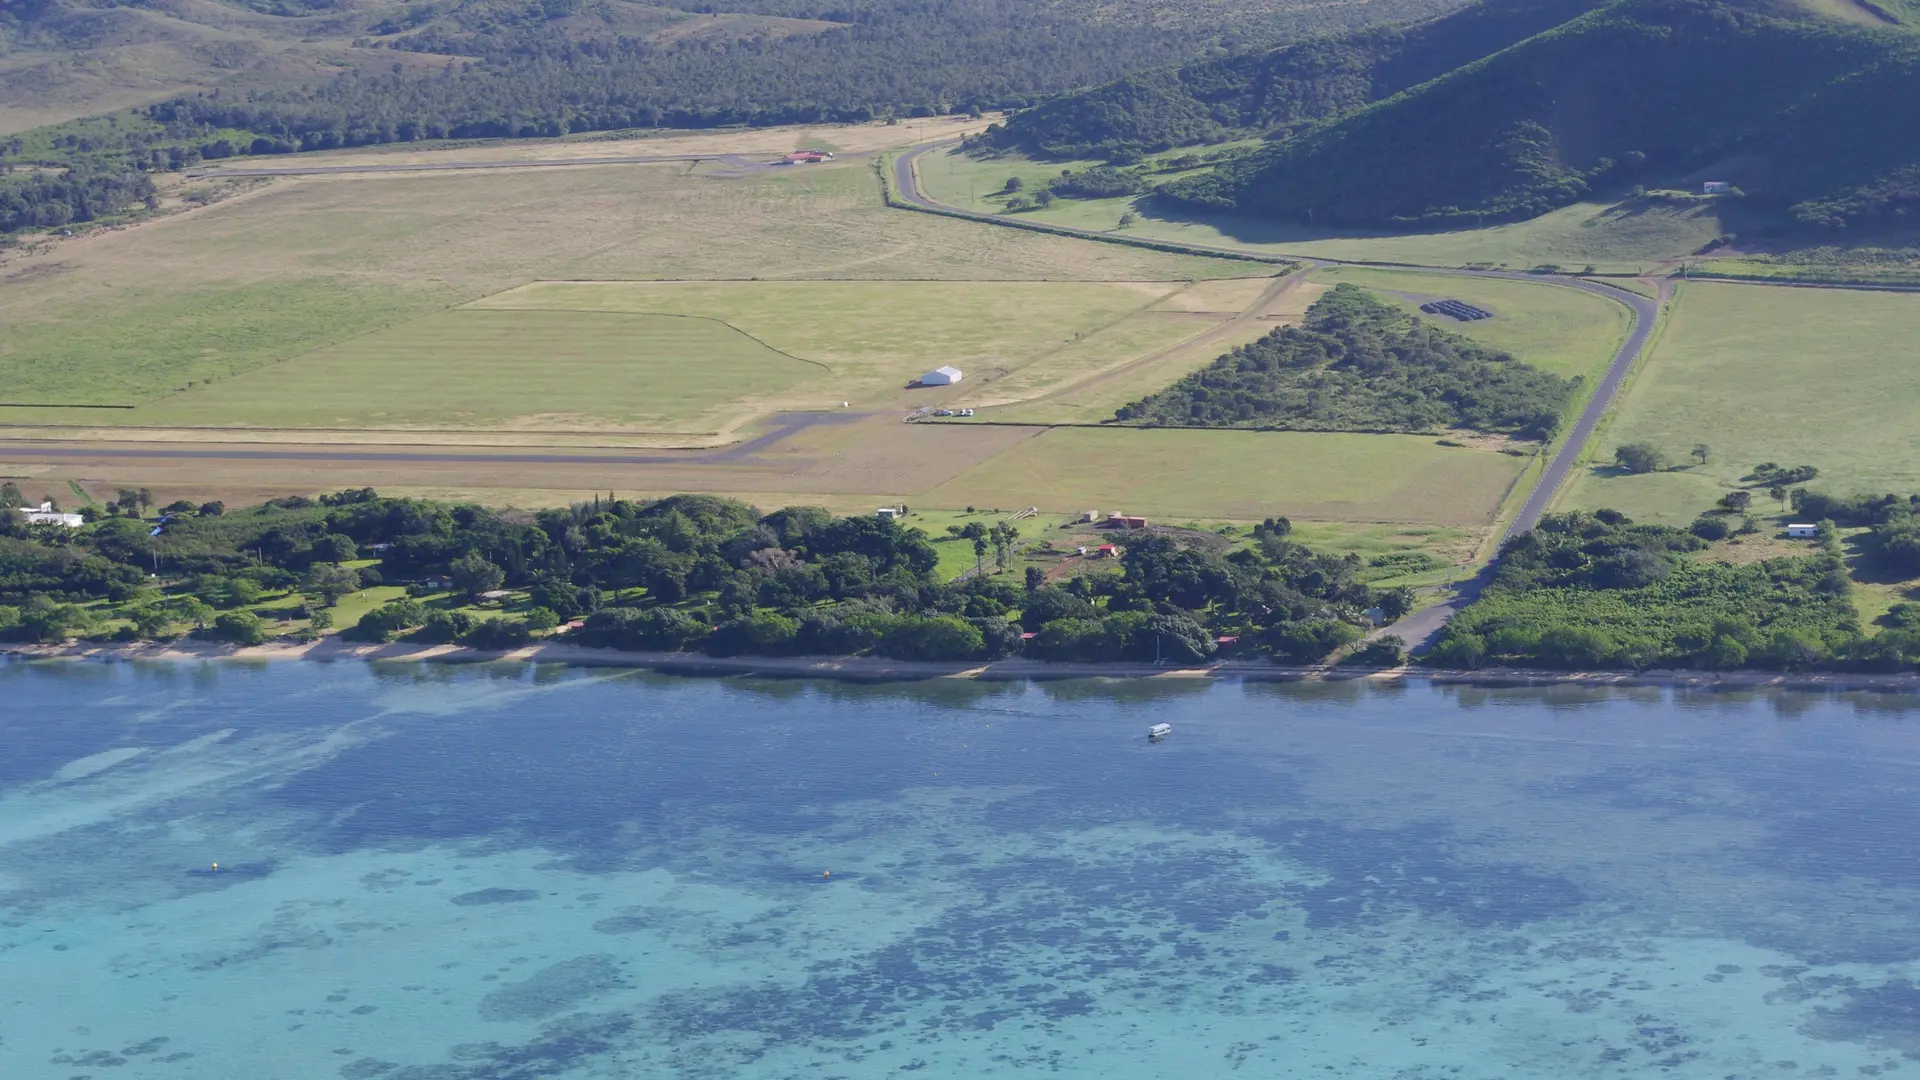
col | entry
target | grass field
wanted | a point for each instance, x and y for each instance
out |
(1554, 328)
(1240, 475)
(1013, 339)
(540, 370)
(1107, 380)
(151, 341)
(1613, 238)
(125, 316)
(1794, 376)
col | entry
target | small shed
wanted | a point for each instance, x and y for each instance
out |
(1717, 187)
(944, 375)
(1800, 530)
(888, 512)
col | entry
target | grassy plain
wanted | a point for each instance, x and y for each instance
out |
(1566, 331)
(539, 370)
(126, 316)
(1759, 373)
(1241, 476)
(1109, 379)
(1013, 339)
(1612, 237)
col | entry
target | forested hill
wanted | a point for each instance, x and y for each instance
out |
(910, 57)
(1265, 91)
(1359, 364)
(1812, 117)
(321, 74)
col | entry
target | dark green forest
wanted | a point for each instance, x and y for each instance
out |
(686, 572)
(523, 72)
(1273, 92)
(1512, 108)
(1357, 363)
(1819, 120)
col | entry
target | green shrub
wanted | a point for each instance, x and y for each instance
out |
(762, 633)
(240, 628)
(388, 621)
(497, 633)
(932, 637)
(649, 629)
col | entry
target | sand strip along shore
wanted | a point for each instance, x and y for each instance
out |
(879, 669)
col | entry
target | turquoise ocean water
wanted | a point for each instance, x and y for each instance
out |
(435, 873)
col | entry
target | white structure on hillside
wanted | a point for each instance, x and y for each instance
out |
(1801, 530)
(1717, 187)
(45, 514)
(944, 375)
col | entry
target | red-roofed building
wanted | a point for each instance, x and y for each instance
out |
(806, 157)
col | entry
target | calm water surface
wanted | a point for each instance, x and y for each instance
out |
(433, 873)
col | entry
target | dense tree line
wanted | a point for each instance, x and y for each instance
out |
(905, 57)
(687, 572)
(1359, 364)
(35, 200)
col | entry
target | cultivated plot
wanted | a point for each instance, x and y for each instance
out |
(1757, 373)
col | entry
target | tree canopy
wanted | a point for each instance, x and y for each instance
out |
(1359, 364)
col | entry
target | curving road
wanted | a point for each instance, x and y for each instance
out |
(1418, 629)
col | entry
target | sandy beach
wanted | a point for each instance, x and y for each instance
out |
(880, 669)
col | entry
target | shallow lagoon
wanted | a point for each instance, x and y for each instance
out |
(511, 872)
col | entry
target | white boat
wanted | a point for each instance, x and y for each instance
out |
(1159, 731)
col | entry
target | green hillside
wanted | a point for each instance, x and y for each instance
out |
(1811, 116)
(1274, 90)
(1358, 363)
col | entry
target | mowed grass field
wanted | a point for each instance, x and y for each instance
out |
(1821, 377)
(527, 370)
(304, 263)
(1241, 476)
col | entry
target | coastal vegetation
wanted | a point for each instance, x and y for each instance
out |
(682, 573)
(1598, 590)
(1359, 364)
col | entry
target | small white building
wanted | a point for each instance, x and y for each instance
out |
(944, 375)
(45, 514)
(1800, 530)
(888, 512)
(1717, 187)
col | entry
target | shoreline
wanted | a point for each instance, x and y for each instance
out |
(880, 669)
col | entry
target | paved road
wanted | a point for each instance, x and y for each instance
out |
(735, 160)
(1419, 629)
